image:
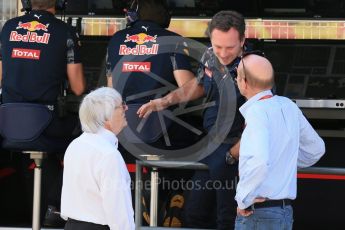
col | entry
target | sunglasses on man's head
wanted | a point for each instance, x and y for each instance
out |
(254, 52)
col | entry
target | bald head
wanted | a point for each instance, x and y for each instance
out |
(257, 71)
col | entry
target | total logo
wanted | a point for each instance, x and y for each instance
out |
(26, 53)
(31, 36)
(136, 67)
(139, 49)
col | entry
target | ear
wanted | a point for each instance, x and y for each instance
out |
(242, 42)
(107, 125)
(245, 84)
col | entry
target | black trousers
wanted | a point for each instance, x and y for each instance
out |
(82, 225)
(211, 202)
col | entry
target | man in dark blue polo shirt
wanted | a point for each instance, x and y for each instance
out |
(38, 54)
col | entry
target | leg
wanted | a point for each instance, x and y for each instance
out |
(199, 209)
(52, 190)
(273, 218)
(223, 177)
(64, 129)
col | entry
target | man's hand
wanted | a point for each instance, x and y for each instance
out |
(247, 213)
(235, 150)
(243, 212)
(154, 105)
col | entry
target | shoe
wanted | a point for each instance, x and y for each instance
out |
(52, 218)
(146, 211)
(174, 212)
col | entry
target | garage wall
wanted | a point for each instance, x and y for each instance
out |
(8, 9)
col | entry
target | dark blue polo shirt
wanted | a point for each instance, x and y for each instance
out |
(209, 73)
(35, 50)
(141, 60)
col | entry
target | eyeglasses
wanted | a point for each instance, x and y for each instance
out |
(123, 105)
(254, 52)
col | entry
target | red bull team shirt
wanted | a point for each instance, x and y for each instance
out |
(35, 49)
(142, 59)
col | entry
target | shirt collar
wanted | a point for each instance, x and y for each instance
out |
(109, 136)
(252, 100)
(149, 24)
(41, 12)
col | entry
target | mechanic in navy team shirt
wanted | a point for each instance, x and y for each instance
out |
(146, 61)
(140, 52)
(39, 54)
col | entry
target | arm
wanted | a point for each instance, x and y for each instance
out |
(108, 71)
(76, 78)
(191, 90)
(253, 164)
(189, 87)
(116, 195)
(183, 76)
(110, 81)
(75, 73)
(0, 65)
(0, 73)
(311, 147)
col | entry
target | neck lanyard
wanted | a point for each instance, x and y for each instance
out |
(261, 98)
(265, 97)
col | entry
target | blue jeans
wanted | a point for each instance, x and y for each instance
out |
(272, 218)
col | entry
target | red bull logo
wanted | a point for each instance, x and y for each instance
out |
(139, 49)
(32, 26)
(140, 38)
(31, 35)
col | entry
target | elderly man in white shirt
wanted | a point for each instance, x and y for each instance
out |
(96, 183)
(276, 140)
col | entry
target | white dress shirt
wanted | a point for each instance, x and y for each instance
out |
(276, 140)
(96, 182)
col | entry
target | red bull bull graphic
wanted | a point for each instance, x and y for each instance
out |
(132, 38)
(139, 49)
(26, 53)
(32, 26)
(31, 35)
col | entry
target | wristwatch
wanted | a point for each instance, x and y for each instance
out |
(229, 159)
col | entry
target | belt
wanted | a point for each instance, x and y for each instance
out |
(99, 226)
(270, 203)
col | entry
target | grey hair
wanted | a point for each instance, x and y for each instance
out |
(97, 107)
